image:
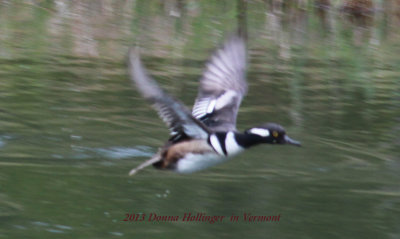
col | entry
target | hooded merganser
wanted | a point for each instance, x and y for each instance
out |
(208, 135)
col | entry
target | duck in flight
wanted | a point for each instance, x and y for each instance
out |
(207, 135)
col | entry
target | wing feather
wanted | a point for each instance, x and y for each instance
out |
(222, 86)
(174, 113)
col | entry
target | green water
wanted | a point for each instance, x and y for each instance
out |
(71, 125)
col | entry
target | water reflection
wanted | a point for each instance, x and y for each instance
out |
(71, 126)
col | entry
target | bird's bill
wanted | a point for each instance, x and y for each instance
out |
(288, 140)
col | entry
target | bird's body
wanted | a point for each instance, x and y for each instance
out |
(196, 154)
(208, 135)
(186, 156)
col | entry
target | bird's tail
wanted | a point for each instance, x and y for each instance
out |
(156, 158)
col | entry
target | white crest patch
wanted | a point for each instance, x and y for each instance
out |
(231, 146)
(215, 144)
(259, 131)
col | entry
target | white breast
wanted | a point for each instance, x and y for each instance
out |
(195, 162)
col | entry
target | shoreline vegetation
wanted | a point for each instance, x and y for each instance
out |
(85, 29)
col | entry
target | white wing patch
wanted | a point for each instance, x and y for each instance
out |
(206, 106)
(200, 107)
(210, 107)
(232, 147)
(225, 99)
(259, 131)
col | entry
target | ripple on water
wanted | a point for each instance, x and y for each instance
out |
(20, 227)
(63, 227)
(8, 206)
(123, 152)
(117, 233)
(3, 139)
(113, 152)
(39, 223)
(53, 228)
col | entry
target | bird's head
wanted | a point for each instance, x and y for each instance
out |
(272, 133)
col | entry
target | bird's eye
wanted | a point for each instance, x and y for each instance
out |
(275, 134)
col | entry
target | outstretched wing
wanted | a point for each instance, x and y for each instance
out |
(222, 86)
(174, 113)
